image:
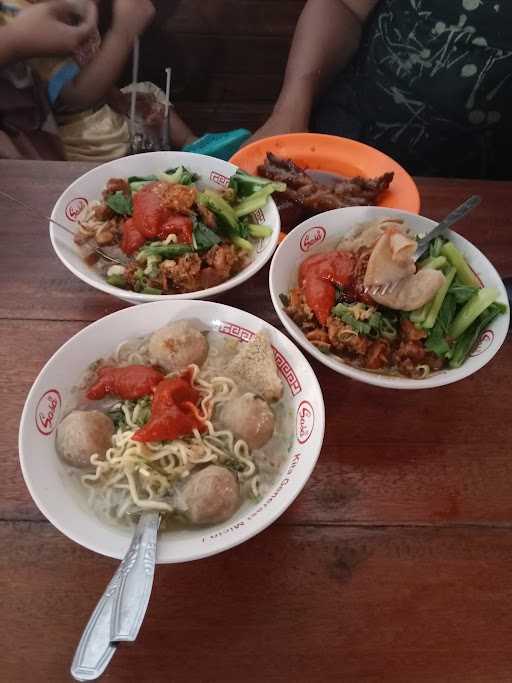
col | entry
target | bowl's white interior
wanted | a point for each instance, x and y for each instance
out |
(65, 506)
(321, 232)
(213, 172)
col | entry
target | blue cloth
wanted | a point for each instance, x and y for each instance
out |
(219, 145)
(60, 78)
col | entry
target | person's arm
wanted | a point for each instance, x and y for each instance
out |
(95, 81)
(46, 29)
(327, 35)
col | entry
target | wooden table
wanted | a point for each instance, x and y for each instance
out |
(394, 564)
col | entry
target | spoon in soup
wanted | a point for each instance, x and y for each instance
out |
(119, 614)
(40, 214)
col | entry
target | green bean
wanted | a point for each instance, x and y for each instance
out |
(471, 310)
(456, 258)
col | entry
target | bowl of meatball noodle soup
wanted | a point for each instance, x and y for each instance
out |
(195, 409)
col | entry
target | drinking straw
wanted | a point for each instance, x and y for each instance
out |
(135, 79)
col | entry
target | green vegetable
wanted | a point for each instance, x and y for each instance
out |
(152, 264)
(257, 231)
(254, 202)
(204, 237)
(436, 340)
(343, 312)
(387, 329)
(377, 325)
(419, 315)
(285, 300)
(152, 290)
(446, 313)
(467, 340)
(241, 243)
(456, 258)
(186, 177)
(173, 178)
(246, 185)
(436, 262)
(165, 250)
(213, 201)
(117, 416)
(462, 292)
(138, 182)
(135, 187)
(141, 179)
(437, 302)
(481, 300)
(120, 203)
(116, 280)
(436, 247)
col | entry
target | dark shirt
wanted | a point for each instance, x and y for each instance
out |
(431, 85)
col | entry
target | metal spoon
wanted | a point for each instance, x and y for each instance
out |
(119, 614)
(40, 214)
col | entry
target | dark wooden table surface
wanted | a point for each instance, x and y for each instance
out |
(394, 564)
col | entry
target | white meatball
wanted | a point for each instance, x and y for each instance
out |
(250, 418)
(211, 495)
(177, 345)
(83, 433)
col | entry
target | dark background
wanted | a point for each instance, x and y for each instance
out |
(228, 57)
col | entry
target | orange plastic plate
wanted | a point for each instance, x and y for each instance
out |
(335, 155)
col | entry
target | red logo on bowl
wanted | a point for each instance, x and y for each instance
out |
(305, 421)
(48, 412)
(75, 208)
(311, 237)
(219, 179)
(483, 343)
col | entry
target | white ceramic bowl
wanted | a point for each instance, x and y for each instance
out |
(65, 505)
(213, 173)
(322, 232)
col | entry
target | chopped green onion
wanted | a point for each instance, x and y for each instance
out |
(165, 250)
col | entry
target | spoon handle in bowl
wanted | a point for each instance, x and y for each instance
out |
(136, 574)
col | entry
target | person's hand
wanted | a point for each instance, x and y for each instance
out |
(131, 17)
(279, 123)
(50, 28)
